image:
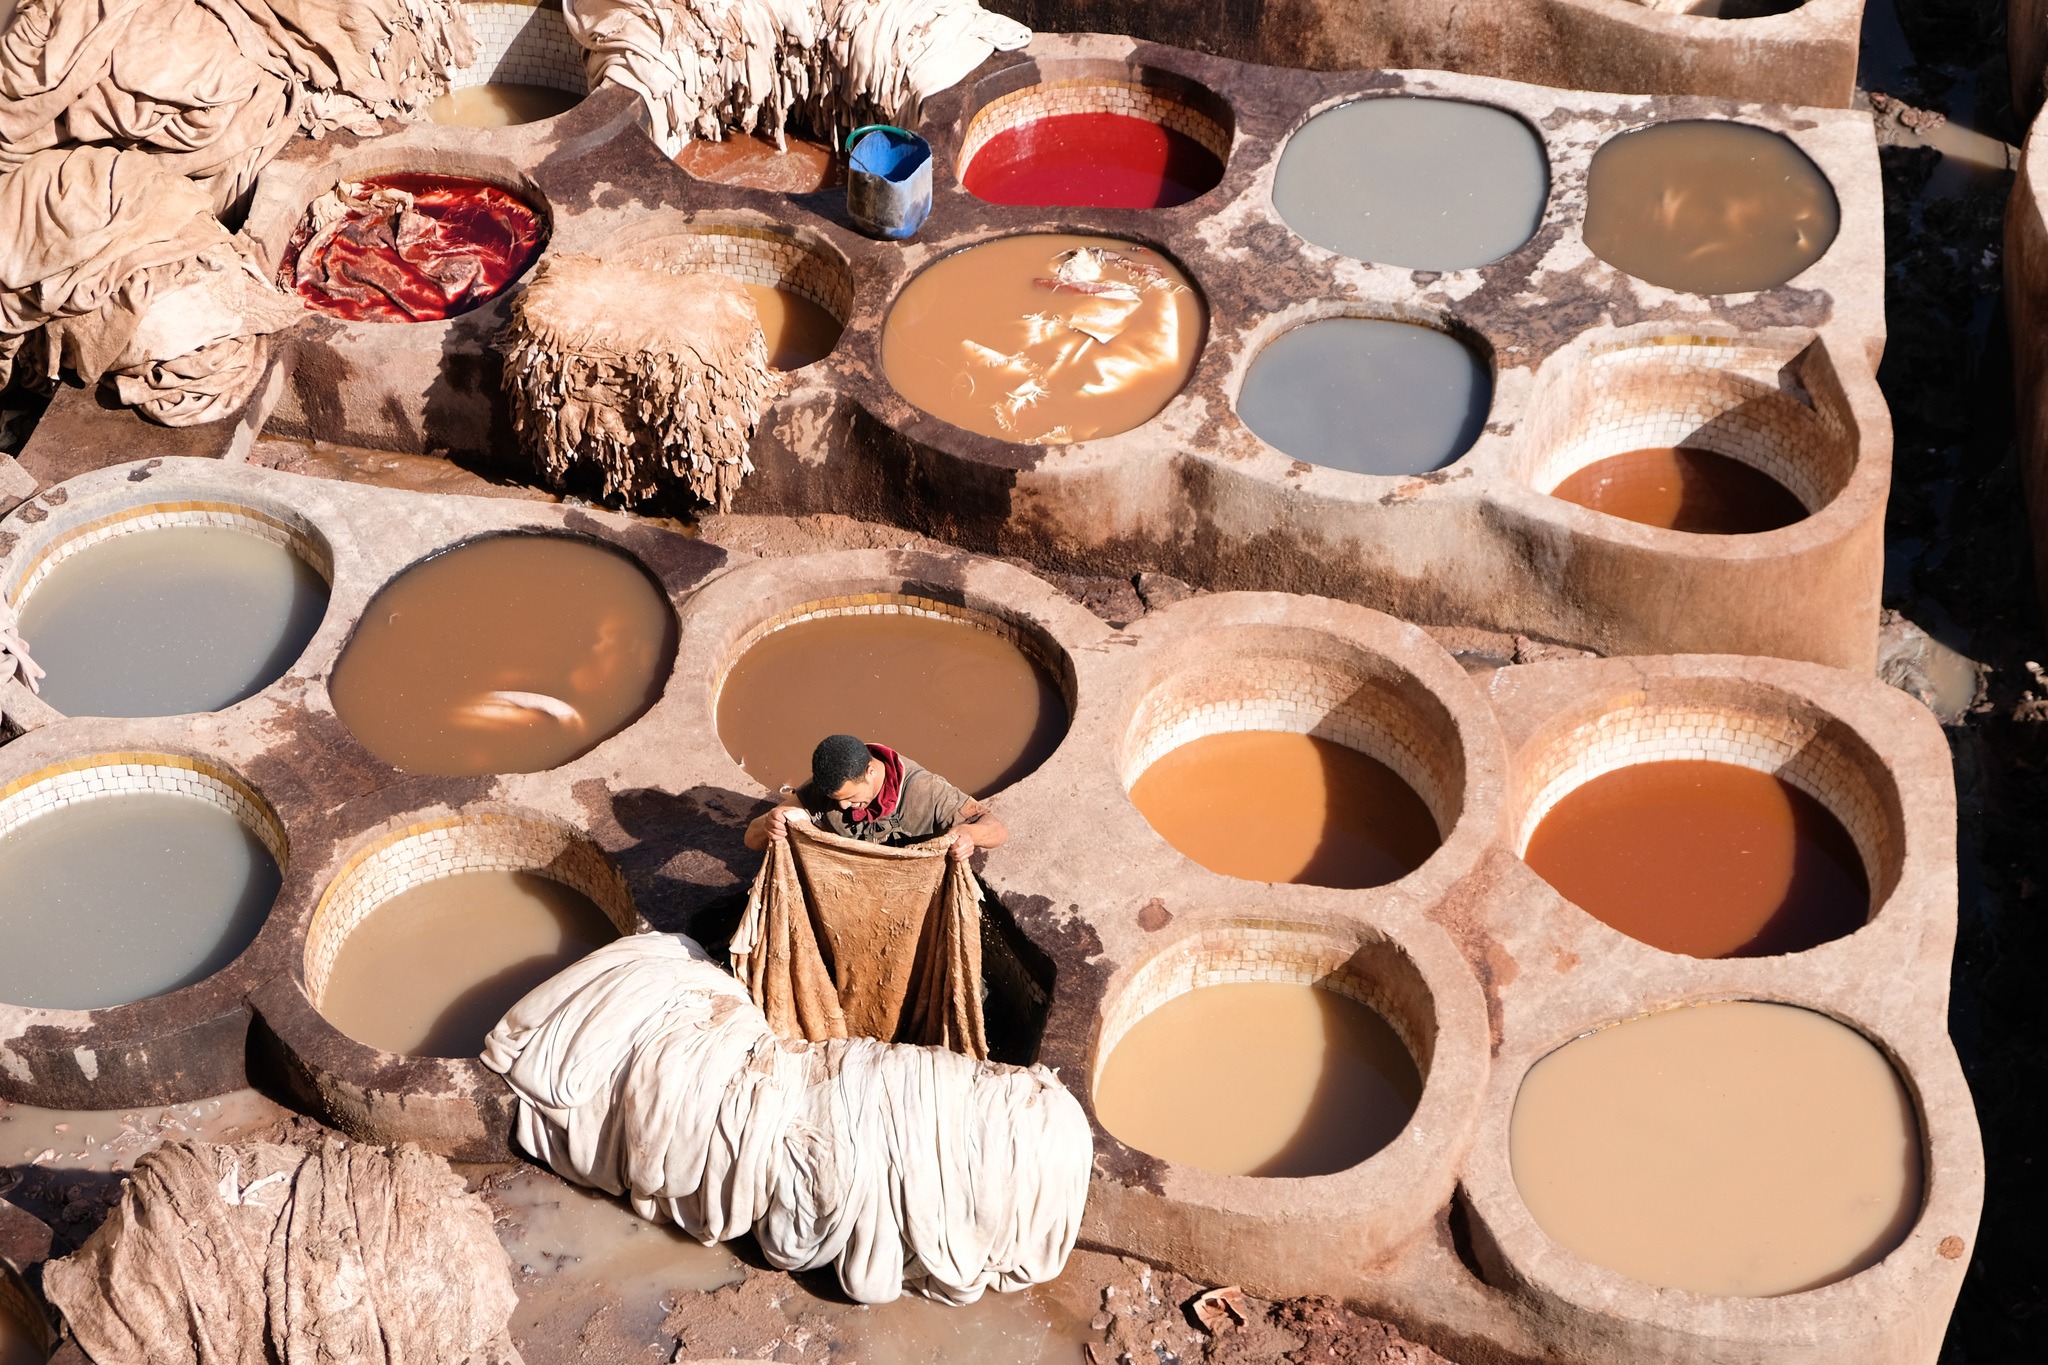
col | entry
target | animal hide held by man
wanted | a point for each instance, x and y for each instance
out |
(848, 939)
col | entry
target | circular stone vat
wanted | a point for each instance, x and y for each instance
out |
(1046, 339)
(1289, 756)
(510, 654)
(527, 69)
(126, 876)
(1704, 206)
(25, 1337)
(1150, 141)
(1366, 395)
(1735, 1148)
(974, 697)
(1715, 822)
(1425, 184)
(752, 161)
(167, 609)
(802, 289)
(477, 237)
(429, 936)
(1319, 1042)
(1693, 434)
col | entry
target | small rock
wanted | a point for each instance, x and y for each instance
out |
(1159, 591)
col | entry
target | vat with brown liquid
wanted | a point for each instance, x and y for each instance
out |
(1683, 488)
(752, 161)
(965, 702)
(506, 655)
(1706, 859)
(1046, 338)
(501, 104)
(1270, 1078)
(1735, 1148)
(1708, 207)
(429, 972)
(798, 330)
(1271, 806)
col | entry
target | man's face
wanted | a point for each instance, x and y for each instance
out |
(861, 790)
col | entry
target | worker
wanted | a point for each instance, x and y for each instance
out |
(872, 793)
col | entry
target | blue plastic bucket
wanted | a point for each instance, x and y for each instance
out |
(888, 181)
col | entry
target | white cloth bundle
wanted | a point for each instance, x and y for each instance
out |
(703, 66)
(645, 1069)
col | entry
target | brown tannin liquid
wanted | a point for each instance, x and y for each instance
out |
(1265, 1078)
(1708, 207)
(752, 161)
(1681, 488)
(1046, 338)
(506, 655)
(962, 701)
(1705, 859)
(432, 970)
(798, 330)
(501, 104)
(1275, 807)
(1735, 1148)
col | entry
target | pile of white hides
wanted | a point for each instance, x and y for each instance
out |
(703, 66)
(645, 1069)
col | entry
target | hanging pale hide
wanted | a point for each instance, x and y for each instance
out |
(701, 67)
(259, 1254)
(849, 939)
(117, 267)
(644, 1069)
(656, 379)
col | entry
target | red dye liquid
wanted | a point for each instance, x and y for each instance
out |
(454, 248)
(1108, 161)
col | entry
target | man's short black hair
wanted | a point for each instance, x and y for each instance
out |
(838, 760)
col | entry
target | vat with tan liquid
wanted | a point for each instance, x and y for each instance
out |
(1682, 488)
(501, 104)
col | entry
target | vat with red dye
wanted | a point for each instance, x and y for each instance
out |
(1092, 160)
(414, 248)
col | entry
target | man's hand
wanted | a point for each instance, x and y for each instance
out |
(962, 847)
(778, 823)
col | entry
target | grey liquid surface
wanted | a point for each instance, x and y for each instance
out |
(1369, 396)
(124, 897)
(170, 621)
(1426, 184)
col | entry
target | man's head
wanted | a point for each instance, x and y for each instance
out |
(844, 772)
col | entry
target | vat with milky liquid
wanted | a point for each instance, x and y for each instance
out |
(1736, 1148)
(1271, 806)
(125, 896)
(1317, 1082)
(430, 971)
(511, 654)
(1366, 395)
(1091, 160)
(170, 620)
(1702, 858)
(501, 104)
(1426, 184)
(962, 700)
(1708, 207)
(1682, 488)
(1046, 338)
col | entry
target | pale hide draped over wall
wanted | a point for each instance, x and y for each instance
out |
(644, 1069)
(703, 67)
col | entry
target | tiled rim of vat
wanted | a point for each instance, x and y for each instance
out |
(1260, 661)
(665, 672)
(798, 259)
(109, 1050)
(454, 1106)
(1906, 1293)
(1404, 312)
(51, 539)
(286, 189)
(1415, 982)
(521, 45)
(1725, 720)
(735, 610)
(1066, 223)
(1024, 94)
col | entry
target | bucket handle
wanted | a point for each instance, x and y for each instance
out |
(866, 128)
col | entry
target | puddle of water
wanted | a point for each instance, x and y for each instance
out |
(111, 1140)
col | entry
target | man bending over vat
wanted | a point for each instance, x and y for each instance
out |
(872, 793)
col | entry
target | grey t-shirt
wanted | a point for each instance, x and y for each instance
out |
(928, 805)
